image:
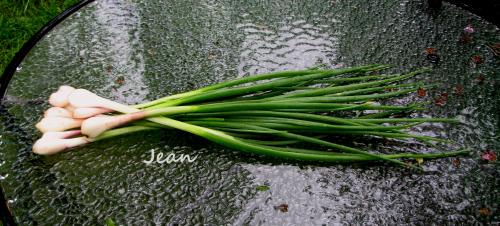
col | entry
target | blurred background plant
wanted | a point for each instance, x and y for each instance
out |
(20, 19)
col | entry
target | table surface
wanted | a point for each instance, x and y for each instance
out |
(133, 51)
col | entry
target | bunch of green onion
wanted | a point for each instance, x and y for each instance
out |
(274, 114)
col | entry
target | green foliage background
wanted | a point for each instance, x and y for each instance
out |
(20, 19)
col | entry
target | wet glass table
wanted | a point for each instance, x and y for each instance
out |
(132, 51)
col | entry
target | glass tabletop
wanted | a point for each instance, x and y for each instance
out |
(133, 51)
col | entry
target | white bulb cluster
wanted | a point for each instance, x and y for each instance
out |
(76, 118)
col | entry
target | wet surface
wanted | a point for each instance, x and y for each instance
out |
(134, 51)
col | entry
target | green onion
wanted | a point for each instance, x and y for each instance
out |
(267, 114)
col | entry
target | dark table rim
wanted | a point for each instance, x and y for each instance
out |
(6, 216)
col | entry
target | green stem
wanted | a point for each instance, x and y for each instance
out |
(231, 83)
(319, 118)
(123, 131)
(343, 99)
(338, 89)
(222, 107)
(237, 91)
(313, 125)
(298, 137)
(395, 120)
(355, 79)
(335, 157)
(373, 89)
